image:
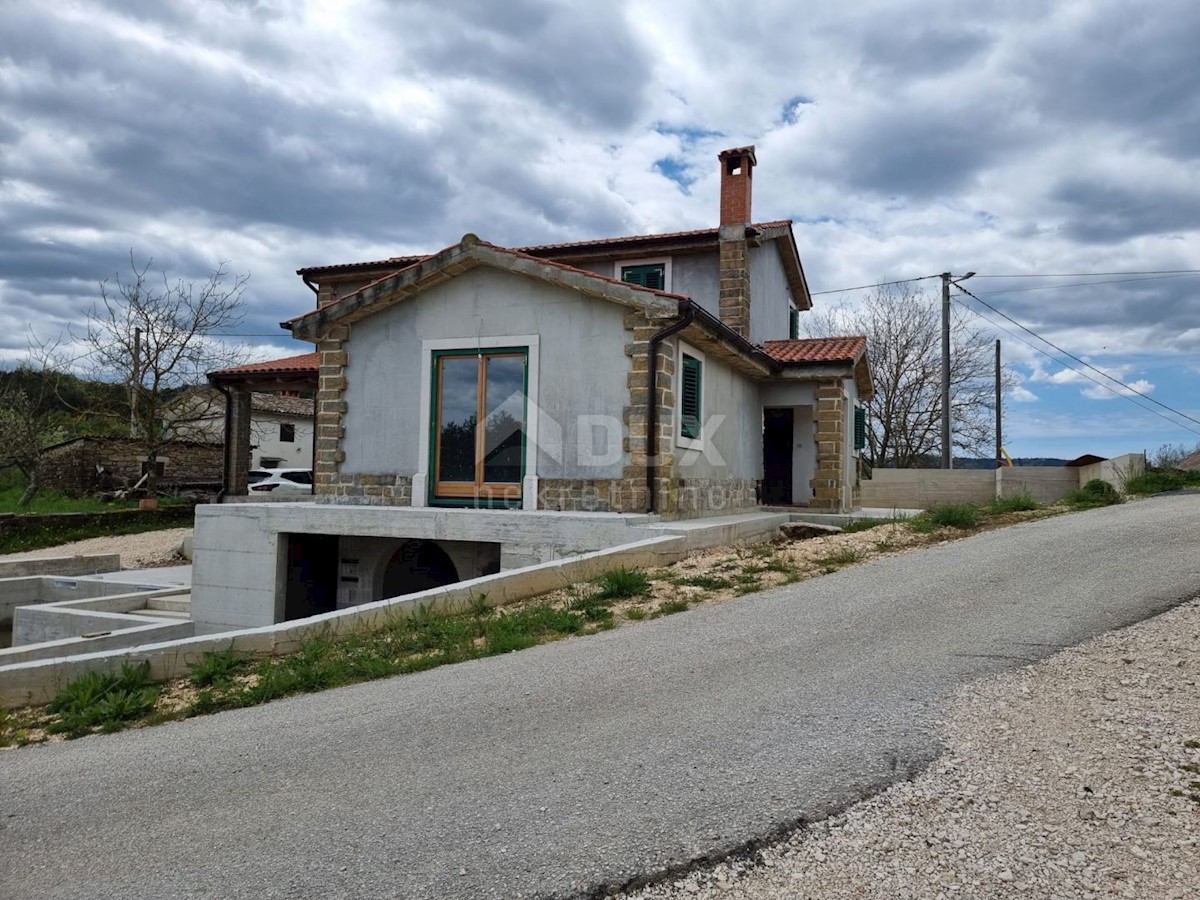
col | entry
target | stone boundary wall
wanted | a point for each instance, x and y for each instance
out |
(71, 468)
(1045, 484)
(39, 681)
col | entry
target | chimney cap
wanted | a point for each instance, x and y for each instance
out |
(739, 151)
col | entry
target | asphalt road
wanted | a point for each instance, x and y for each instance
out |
(571, 767)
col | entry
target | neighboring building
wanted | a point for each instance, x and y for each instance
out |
(646, 373)
(1190, 463)
(84, 465)
(281, 427)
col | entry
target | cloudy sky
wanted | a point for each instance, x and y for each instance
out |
(1011, 138)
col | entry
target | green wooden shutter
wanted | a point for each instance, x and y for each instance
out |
(860, 427)
(652, 276)
(793, 323)
(690, 399)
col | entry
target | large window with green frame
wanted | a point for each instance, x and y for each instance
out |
(478, 423)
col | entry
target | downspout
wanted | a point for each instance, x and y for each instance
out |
(312, 287)
(689, 316)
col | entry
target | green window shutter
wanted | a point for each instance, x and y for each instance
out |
(860, 427)
(652, 276)
(689, 406)
(793, 323)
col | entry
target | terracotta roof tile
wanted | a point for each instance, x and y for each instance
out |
(816, 350)
(403, 262)
(283, 406)
(305, 362)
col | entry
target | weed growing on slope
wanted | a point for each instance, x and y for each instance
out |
(1094, 494)
(1020, 503)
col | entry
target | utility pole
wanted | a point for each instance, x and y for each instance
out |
(999, 433)
(947, 453)
(135, 383)
(947, 444)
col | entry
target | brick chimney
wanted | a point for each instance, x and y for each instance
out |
(737, 179)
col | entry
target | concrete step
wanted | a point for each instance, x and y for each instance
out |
(175, 614)
(180, 603)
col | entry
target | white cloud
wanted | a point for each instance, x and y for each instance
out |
(1098, 392)
(1021, 394)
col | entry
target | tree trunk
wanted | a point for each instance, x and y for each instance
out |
(31, 489)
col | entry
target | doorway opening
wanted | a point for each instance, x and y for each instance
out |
(778, 431)
(312, 571)
(417, 566)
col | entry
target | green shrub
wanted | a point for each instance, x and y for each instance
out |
(954, 515)
(216, 668)
(103, 699)
(621, 584)
(1020, 503)
(1155, 482)
(1093, 494)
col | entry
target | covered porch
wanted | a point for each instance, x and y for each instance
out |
(291, 374)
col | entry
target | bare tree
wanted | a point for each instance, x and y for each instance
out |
(157, 337)
(1169, 456)
(903, 331)
(26, 425)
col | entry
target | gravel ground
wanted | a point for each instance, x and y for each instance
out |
(138, 551)
(1078, 777)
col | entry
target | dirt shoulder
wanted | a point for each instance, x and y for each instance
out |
(138, 551)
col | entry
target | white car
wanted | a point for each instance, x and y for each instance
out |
(283, 481)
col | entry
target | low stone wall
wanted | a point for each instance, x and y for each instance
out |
(923, 488)
(72, 467)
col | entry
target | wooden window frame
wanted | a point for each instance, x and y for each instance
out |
(477, 493)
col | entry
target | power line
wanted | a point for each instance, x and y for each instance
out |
(863, 287)
(1058, 361)
(1082, 362)
(1096, 274)
(1055, 287)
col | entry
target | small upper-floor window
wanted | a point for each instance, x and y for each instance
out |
(287, 432)
(649, 275)
(793, 323)
(690, 398)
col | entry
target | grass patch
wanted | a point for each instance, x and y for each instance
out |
(708, 582)
(1020, 503)
(622, 584)
(669, 607)
(33, 532)
(858, 525)
(636, 613)
(1094, 494)
(781, 566)
(216, 668)
(840, 558)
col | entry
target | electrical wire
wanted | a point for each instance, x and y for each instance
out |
(1095, 274)
(1058, 361)
(1055, 287)
(863, 287)
(1111, 390)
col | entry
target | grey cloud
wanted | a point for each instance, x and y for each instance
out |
(1104, 212)
(580, 60)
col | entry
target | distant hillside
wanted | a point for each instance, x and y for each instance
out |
(1017, 461)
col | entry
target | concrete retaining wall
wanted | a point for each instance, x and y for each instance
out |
(38, 681)
(1045, 484)
(61, 565)
(923, 488)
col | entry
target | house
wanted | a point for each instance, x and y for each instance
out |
(281, 425)
(649, 373)
(483, 409)
(83, 465)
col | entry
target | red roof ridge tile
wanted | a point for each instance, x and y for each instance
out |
(847, 348)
